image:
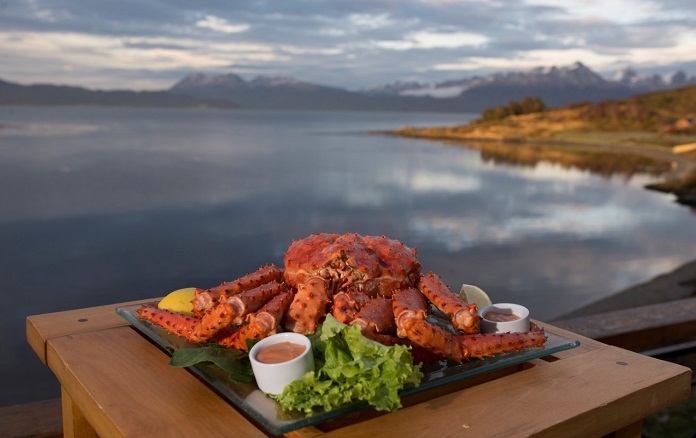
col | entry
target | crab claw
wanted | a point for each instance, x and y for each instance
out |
(462, 315)
(261, 324)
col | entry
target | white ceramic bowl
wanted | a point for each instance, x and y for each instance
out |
(519, 325)
(271, 378)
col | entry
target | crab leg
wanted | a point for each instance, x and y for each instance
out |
(347, 304)
(261, 324)
(193, 329)
(376, 315)
(218, 318)
(462, 315)
(376, 321)
(410, 312)
(205, 300)
(251, 300)
(308, 306)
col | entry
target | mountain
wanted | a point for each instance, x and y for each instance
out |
(629, 77)
(261, 92)
(15, 94)
(555, 86)
(577, 75)
(283, 92)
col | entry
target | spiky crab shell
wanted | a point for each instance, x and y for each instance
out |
(372, 264)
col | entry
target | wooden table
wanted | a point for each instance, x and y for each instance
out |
(116, 383)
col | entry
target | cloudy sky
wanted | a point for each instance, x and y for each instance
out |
(151, 44)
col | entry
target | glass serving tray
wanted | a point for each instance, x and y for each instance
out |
(268, 413)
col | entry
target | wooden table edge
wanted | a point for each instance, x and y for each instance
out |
(38, 336)
(43, 327)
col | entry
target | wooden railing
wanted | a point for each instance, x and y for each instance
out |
(42, 419)
(666, 330)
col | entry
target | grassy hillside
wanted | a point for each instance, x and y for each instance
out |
(676, 102)
(659, 119)
(654, 112)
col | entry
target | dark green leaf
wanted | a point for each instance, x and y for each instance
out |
(234, 362)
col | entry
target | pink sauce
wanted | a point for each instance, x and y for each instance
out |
(280, 352)
(500, 316)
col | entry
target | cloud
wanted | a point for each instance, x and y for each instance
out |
(221, 25)
(339, 42)
(431, 40)
(133, 52)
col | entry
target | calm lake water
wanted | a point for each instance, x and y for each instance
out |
(99, 206)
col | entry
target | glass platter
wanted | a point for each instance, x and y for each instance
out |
(267, 412)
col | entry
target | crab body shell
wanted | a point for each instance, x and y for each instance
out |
(322, 265)
(370, 264)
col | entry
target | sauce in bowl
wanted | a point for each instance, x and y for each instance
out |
(504, 318)
(280, 359)
(280, 352)
(500, 316)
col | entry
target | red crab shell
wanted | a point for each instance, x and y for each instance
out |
(370, 264)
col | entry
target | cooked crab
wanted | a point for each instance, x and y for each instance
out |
(372, 281)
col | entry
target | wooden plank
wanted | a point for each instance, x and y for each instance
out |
(74, 422)
(36, 419)
(684, 148)
(305, 432)
(124, 386)
(427, 395)
(591, 394)
(40, 328)
(633, 430)
(639, 328)
(586, 344)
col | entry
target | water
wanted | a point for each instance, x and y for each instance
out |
(99, 206)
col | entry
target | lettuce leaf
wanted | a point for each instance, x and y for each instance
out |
(350, 368)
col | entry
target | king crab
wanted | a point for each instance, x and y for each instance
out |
(371, 281)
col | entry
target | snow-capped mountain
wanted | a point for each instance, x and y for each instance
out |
(575, 75)
(630, 77)
(555, 86)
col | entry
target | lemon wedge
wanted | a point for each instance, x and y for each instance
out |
(179, 301)
(474, 295)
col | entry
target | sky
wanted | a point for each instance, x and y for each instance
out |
(353, 44)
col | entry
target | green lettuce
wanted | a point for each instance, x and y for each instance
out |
(348, 368)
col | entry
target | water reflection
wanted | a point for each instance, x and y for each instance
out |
(599, 160)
